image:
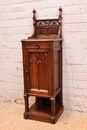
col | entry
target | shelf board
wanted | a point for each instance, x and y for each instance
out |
(40, 108)
(41, 112)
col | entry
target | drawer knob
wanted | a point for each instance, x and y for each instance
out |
(36, 45)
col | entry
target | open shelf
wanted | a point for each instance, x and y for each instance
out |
(41, 112)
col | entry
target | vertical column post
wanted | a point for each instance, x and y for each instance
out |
(52, 106)
(26, 106)
(34, 22)
(53, 110)
(60, 23)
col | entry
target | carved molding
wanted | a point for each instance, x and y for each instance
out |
(47, 22)
(48, 26)
(36, 57)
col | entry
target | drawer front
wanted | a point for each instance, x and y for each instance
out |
(37, 45)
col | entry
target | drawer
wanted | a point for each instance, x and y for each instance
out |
(37, 45)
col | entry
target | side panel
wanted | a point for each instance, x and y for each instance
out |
(56, 70)
(56, 65)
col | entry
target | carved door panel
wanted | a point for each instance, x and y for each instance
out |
(33, 71)
(38, 69)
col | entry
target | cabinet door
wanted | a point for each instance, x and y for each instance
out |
(38, 71)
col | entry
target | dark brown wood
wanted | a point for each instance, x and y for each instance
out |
(42, 65)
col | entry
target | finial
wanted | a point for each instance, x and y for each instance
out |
(60, 13)
(60, 9)
(34, 11)
(60, 23)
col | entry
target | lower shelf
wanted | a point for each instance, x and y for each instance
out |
(41, 112)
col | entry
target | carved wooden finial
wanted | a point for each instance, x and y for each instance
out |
(34, 21)
(34, 24)
(34, 14)
(34, 11)
(60, 12)
(60, 9)
(60, 25)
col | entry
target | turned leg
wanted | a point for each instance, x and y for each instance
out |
(52, 106)
(26, 105)
(53, 111)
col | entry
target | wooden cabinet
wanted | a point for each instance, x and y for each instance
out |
(42, 65)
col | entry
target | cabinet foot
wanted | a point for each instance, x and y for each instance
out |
(25, 115)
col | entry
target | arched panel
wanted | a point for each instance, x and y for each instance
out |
(43, 71)
(33, 71)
